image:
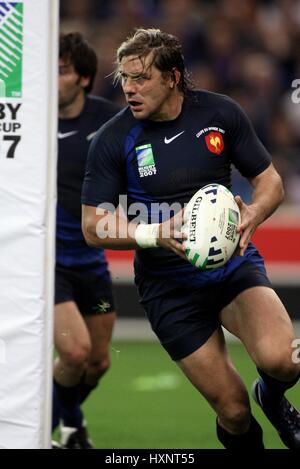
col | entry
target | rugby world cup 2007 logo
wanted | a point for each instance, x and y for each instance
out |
(145, 160)
(11, 49)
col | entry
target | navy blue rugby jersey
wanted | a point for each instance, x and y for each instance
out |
(156, 162)
(74, 138)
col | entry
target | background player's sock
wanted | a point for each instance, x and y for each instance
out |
(273, 389)
(68, 398)
(252, 439)
(55, 409)
(85, 390)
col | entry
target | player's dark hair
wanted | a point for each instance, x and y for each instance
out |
(75, 49)
(166, 49)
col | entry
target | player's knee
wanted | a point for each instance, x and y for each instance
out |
(281, 366)
(98, 368)
(78, 355)
(284, 370)
(235, 416)
(104, 366)
(288, 371)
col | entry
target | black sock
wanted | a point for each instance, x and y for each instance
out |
(55, 409)
(252, 439)
(274, 389)
(85, 390)
(68, 398)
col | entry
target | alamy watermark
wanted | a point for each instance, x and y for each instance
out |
(296, 352)
(296, 93)
(108, 226)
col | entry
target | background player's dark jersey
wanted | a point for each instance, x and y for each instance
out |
(74, 138)
(156, 162)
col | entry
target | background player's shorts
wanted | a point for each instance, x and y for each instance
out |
(183, 319)
(91, 292)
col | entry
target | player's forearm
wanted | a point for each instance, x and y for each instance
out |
(109, 231)
(268, 194)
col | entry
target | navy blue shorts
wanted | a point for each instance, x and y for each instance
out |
(183, 319)
(91, 292)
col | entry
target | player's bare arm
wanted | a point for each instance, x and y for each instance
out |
(268, 194)
(109, 230)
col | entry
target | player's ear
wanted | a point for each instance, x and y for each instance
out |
(84, 81)
(175, 77)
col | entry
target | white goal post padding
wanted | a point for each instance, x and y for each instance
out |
(28, 122)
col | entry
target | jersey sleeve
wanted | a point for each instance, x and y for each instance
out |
(104, 176)
(248, 154)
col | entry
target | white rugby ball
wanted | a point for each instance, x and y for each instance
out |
(211, 219)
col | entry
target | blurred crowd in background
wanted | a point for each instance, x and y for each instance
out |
(248, 49)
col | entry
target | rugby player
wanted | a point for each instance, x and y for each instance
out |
(84, 306)
(170, 141)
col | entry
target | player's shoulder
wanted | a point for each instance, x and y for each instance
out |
(115, 131)
(227, 109)
(204, 98)
(118, 126)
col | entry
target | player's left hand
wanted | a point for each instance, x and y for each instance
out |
(249, 223)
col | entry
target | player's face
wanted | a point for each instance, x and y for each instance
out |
(147, 92)
(70, 84)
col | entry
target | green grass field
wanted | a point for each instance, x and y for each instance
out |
(145, 402)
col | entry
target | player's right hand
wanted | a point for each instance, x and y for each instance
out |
(171, 236)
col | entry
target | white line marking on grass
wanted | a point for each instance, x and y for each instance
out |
(159, 382)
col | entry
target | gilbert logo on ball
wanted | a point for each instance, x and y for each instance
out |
(211, 219)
